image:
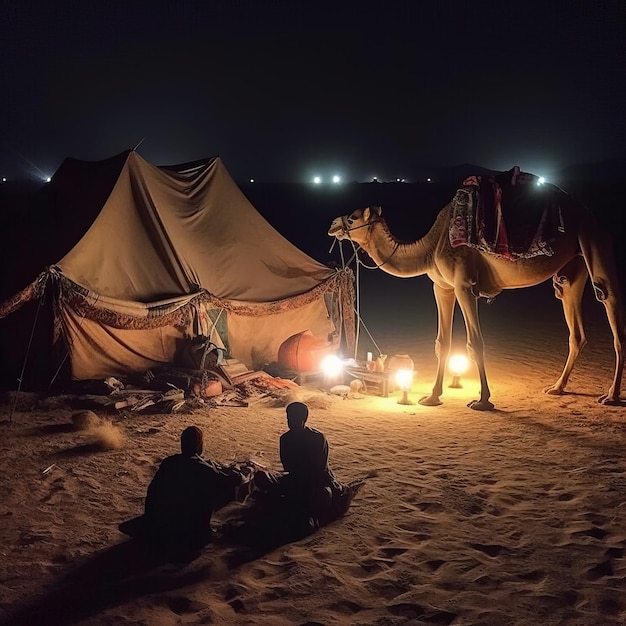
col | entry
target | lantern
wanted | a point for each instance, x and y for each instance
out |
(457, 365)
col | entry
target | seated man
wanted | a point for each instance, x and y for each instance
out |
(307, 488)
(183, 495)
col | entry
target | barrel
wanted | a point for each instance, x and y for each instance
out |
(303, 352)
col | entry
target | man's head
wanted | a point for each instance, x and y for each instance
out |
(191, 441)
(297, 413)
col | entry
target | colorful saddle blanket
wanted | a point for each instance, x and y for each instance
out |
(511, 215)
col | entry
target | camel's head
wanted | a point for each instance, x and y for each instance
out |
(355, 225)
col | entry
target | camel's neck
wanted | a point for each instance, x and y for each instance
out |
(403, 259)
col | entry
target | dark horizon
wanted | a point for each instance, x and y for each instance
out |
(284, 91)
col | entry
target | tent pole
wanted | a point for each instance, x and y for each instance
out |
(30, 342)
(67, 353)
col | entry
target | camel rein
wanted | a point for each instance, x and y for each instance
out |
(369, 224)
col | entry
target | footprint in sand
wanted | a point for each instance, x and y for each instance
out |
(391, 552)
(434, 565)
(534, 576)
(429, 507)
(345, 606)
(599, 571)
(181, 605)
(421, 614)
(58, 490)
(491, 550)
(374, 565)
(566, 497)
(595, 532)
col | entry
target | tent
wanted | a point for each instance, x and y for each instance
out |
(165, 254)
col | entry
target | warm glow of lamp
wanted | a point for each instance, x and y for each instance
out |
(457, 365)
(404, 378)
(332, 366)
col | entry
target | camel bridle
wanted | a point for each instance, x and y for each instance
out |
(346, 229)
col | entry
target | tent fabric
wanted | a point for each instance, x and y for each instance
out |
(163, 233)
(171, 251)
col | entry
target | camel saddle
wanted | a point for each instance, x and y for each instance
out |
(511, 214)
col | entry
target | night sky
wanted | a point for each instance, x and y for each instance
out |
(282, 90)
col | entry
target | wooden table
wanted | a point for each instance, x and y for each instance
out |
(380, 379)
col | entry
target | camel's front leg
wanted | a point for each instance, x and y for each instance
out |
(569, 285)
(445, 300)
(475, 345)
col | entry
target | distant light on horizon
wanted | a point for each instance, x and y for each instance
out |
(429, 180)
(541, 180)
(252, 180)
(317, 180)
(336, 179)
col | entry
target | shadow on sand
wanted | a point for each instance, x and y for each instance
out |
(130, 570)
(109, 579)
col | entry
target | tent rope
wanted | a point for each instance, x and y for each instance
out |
(70, 343)
(357, 308)
(30, 343)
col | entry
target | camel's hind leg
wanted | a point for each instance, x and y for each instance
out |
(598, 252)
(569, 286)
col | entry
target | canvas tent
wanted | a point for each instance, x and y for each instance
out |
(171, 253)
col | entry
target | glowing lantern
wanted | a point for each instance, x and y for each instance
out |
(401, 367)
(404, 378)
(457, 365)
(332, 366)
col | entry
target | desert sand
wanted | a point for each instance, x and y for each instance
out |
(515, 516)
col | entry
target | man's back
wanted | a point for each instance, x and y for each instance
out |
(182, 495)
(304, 453)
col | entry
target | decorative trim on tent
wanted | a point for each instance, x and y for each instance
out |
(35, 290)
(156, 316)
(181, 312)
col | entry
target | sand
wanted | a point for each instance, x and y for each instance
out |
(515, 516)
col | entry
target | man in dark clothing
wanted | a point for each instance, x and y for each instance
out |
(183, 495)
(309, 480)
(289, 505)
(308, 488)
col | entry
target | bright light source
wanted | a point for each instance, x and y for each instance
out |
(541, 180)
(317, 180)
(336, 179)
(4, 180)
(404, 378)
(458, 365)
(252, 180)
(428, 180)
(375, 179)
(332, 366)
(48, 179)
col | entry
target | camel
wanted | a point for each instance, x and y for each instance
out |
(463, 274)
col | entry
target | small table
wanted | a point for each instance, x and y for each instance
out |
(381, 379)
